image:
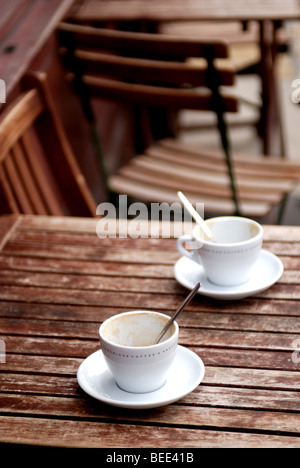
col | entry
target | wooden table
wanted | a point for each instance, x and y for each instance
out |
(185, 10)
(268, 13)
(25, 27)
(59, 281)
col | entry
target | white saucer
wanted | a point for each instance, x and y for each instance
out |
(185, 374)
(266, 272)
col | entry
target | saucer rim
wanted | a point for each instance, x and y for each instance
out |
(232, 292)
(148, 402)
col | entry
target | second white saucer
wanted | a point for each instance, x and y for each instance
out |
(266, 272)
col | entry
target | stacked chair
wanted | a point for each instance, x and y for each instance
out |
(158, 72)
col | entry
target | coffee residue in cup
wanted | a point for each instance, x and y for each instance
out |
(137, 330)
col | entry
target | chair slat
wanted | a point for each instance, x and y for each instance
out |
(157, 193)
(15, 179)
(150, 71)
(39, 173)
(9, 202)
(212, 183)
(244, 166)
(155, 96)
(177, 47)
(43, 187)
(32, 194)
(26, 110)
(283, 169)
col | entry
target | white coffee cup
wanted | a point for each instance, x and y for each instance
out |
(127, 340)
(228, 259)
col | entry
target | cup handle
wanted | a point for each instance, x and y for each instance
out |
(192, 255)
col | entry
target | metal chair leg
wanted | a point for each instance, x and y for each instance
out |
(218, 106)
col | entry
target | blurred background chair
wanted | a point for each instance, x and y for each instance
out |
(158, 71)
(255, 36)
(38, 171)
(245, 55)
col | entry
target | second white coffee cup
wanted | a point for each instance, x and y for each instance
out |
(229, 259)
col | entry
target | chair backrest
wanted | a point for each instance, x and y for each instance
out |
(38, 171)
(152, 70)
(147, 69)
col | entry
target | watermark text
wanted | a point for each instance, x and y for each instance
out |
(296, 353)
(2, 92)
(138, 220)
(2, 351)
(296, 92)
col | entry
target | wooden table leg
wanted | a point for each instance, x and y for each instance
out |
(270, 108)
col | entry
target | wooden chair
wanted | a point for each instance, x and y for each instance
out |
(38, 171)
(154, 70)
(247, 52)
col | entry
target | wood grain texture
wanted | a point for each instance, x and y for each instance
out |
(38, 171)
(173, 10)
(25, 26)
(59, 282)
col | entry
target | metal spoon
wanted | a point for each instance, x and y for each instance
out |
(178, 311)
(207, 232)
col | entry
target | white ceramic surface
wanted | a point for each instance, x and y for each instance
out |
(126, 339)
(267, 270)
(228, 260)
(185, 374)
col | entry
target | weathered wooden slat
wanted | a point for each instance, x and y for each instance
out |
(126, 284)
(24, 243)
(123, 299)
(89, 434)
(11, 11)
(215, 376)
(242, 398)
(282, 291)
(245, 358)
(11, 277)
(74, 348)
(68, 313)
(130, 301)
(90, 10)
(91, 226)
(253, 378)
(137, 270)
(78, 225)
(19, 384)
(53, 346)
(37, 264)
(238, 339)
(71, 266)
(33, 23)
(86, 312)
(88, 243)
(173, 415)
(65, 297)
(285, 248)
(59, 224)
(92, 253)
(91, 240)
(41, 365)
(78, 348)
(188, 336)
(191, 318)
